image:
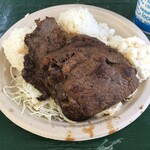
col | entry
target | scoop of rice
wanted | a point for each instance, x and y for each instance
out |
(80, 20)
(15, 48)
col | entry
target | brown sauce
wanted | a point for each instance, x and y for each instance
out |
(89, 130)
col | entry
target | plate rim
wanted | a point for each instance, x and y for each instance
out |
(28, 128)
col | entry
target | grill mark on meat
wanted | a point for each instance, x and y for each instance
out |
(81, 73)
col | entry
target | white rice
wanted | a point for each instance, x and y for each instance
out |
(15, 48)
(80, 20)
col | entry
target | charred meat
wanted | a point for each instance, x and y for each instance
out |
(81, 73)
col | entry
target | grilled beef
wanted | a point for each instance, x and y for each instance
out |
(81, 73)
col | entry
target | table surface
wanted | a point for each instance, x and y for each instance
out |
(135, 136)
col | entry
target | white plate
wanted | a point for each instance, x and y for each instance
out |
(90, 129)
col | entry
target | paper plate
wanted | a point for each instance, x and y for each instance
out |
(93, 128)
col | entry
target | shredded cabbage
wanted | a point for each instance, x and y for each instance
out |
(23, 93)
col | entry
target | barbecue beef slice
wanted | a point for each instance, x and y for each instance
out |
(81, 73)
